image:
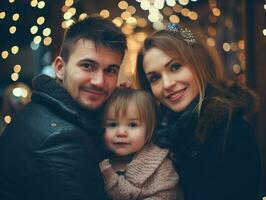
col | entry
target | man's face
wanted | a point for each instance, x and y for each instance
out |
(91, 73)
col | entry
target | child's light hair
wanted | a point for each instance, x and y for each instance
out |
(146, 106)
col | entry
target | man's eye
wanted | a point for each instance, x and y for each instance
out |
(153, 78)
(175, 67)
(133, 124)
(112, 70)
(87, 65)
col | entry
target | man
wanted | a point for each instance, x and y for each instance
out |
(52, 149)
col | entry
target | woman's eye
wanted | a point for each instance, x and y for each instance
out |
(133, 124)
(153, 78)
(175, 67)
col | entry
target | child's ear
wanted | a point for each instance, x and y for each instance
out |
(59, 66)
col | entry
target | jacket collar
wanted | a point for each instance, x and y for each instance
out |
(50, 92)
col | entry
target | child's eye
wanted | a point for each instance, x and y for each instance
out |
(111, 124)
(133, 124)
(175, 67)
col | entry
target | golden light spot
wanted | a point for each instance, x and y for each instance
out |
(37, 39)
(131, 9)
(125, 15)
(142, 22)
(185, 12)
(212, 31)
(34, 29)
(69, 3)
(2, 15)
(241, 44)
(177, 8)
(14, 76)
(17, 68)
(174, 19)
(168, 11)
(46, 31)
(226, 46)
(5, 54)
(15, 17)
(193, 15)
(47, 41)
(104, 13)
(14, 49)
(216, 12)
(123, 5)
(7, 119)
(211, 42)
(34, 3)
(40, 20)
(41, 4)
(12, 29)
(83, 16)
(118, 21)
(132, 21)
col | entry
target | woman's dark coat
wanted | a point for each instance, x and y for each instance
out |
(216, 157)
(50, 151)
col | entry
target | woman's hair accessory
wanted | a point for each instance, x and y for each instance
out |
(186, 34)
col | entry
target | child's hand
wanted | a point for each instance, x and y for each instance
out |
(105, 164)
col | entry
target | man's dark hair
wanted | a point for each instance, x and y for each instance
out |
(99, 30)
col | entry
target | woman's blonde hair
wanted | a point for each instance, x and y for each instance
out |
(146, 106)
(202, 60)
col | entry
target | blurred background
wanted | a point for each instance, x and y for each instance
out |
(31, 32)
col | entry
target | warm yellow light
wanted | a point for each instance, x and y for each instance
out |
(47, 41)
(20, 92)
(177, 8)
(236, 68)
(69, 3)
(7, 119)
(132, 21)
(12, 29)
(2, 15)
(226, 46)
(127, 29)
(40, 20)
(14, 49)
(174, 19)
(69, 23)
(193, 15)
(118, 21)
(41, 4)
(183, 2)
(185, 12)
(241, 44)
(15, 17)
(34, 3)
(104, 13)
(46, 31)
(211, 42)
(125, 15)
(14, 76)
(63, 25)
(140, 36)
(37, 39)
(17, 68)
(67, 15)
(83, 16)
(142, 22)
(34, 29)
(4, 54)
(11, 1)
(216, 12)
(72, 11)
(131, 9)
(264, 32)
(153, 17)
(123, 5)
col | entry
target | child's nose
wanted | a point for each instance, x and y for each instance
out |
(122, 132)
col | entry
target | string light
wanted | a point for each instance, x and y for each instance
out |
(7, 119)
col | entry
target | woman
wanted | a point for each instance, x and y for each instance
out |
(204, 118)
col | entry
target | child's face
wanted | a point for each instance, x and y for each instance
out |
(125, 135)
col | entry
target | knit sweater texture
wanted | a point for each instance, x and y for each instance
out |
(150, 175)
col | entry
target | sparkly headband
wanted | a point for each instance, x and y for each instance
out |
(185, 33)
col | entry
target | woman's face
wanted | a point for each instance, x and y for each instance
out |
(172, 82)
